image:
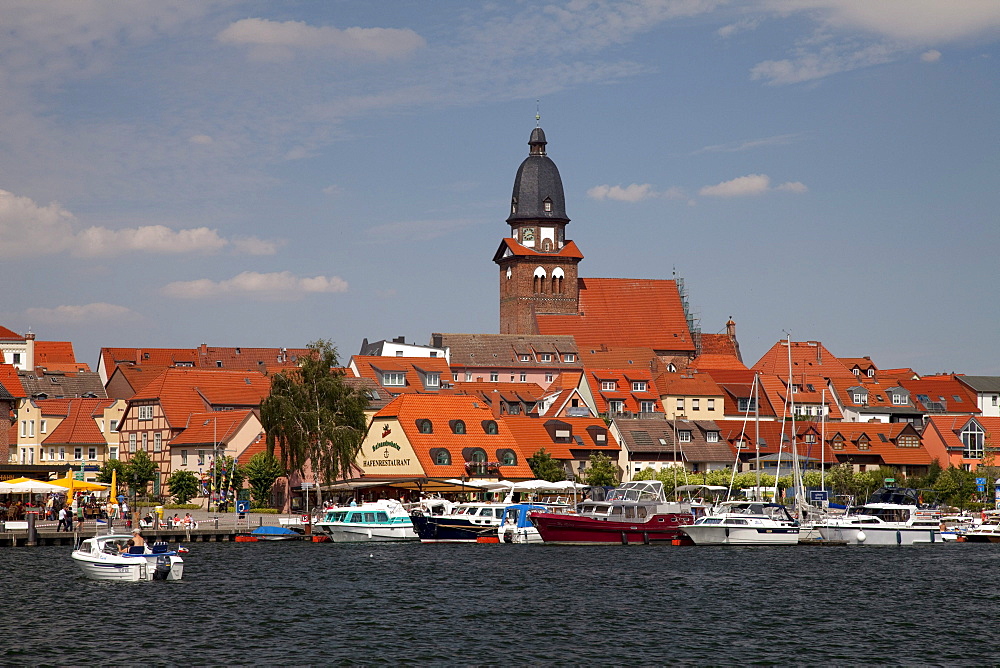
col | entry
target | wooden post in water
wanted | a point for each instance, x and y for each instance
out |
(32, 532)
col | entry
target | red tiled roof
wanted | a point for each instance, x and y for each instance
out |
(771, 433)
(887, 449)
(182, 392)
(624, 313)
(11, 382)
(212, 427)
(623, 392)
(79, 427)
(693, 385)
(9, 335)
(955, 395)
(413, 368)
(619, 358)
(809, 357)
(707, 361)
(569, 250)
(48, 353)
(440, 410)
(719, 344)
(532, 435)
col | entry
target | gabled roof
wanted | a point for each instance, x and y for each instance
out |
(625, 313)
(687, 385)
(80, 427)
(981, 383)
(657, 436)
(942, 394)
(877, 393)
(534, 433)
(56, 384)
(809, 357)
(11, 382)
(414, 370)
(720, 344)
(9, 335)
(441, 410)
(505, 351)
(55, 355)
(212, 427)
(810, 392)
(707, 361)
(737, 385)
(182, 392)
(882, 439)
(623, 392)
(509, 247)
(774, 433)
(619, 358)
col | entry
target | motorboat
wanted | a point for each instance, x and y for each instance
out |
(516, 525)
(635, 512)
(892, 516)
(271, 532)
(462, 523)
(987, 531)
(108, 557)
(375, 521)
(745, 523)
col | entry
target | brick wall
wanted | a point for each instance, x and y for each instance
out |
(521, 297)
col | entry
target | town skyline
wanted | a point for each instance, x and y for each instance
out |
(268, 175)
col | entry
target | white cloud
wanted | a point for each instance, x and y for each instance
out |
(630, 193)
(29, 229)
(749, 144)
(915, 21)
(830, 59)
(742, 25)
(750, 185)
(333, 190)
(200, 139)
(276, 285)
(931, 56)
(84, 313)
(276, 40)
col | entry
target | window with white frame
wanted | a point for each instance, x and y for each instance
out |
(548, 378)
(494, 377)
(569, 357)
(695, 404)
(112, 452)
(973, 437)
(393, 378)
(616, 406)
(145, 412)
(684, 436)
(113, 425)
(24, 428)
(860, 397)
(201, 458)
(524, 377)
(131, 442)
(468, 376)
(31, 428)
(639, 386)
(157, 442)
(184, 457)
(52, 454)
(744, 405)
(77, 453)
(91, 454)
(62, 454)
(433, 380)
(608, 386)
(712, 436)
(871, 373)
(546, 357)
(647, 406)
(711, 404)
(680, 404)
(43, 426)
(898, 399)
(145, 441)
(525, 358)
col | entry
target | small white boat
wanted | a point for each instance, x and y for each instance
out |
(891, 517)
(107, 558)
(745, 523)
(375, 521)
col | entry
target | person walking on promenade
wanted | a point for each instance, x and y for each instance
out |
(62, 520)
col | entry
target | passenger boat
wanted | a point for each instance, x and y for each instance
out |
(745, 523)
(375, 521)
(635, 512)
(463, 523)
(107, 558)
(890, 517)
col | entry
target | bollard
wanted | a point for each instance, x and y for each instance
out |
(32, 533)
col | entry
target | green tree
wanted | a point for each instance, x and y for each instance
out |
(314, 417)
(183, 485)
(226, 474)
(104, 475)
(544, 467)
(602, 471)
(262, 470)
(956, 486)
(138, 472)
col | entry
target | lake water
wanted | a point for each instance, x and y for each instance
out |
(304, 603)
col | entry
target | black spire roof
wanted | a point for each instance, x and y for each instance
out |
(538, 180)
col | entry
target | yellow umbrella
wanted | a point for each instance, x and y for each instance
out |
(21, 479)
(113, 492)
(78, 485)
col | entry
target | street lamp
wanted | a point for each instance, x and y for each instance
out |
(682, 417)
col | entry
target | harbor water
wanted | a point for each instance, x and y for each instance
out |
(304, 603)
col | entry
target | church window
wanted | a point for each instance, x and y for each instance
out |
(539, 279)
(557, 280)
(513, 205)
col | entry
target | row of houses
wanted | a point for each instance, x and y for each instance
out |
(479, 406)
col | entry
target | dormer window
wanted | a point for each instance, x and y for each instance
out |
(546, 357)
(608, 386)
(547, 205)
(898, 399)
(863, 443)
(490, 426)
(569, 357)
(525, 358)
(616, 406)
(860, 397)
(856, 371)
(638, 386)
(712, 436)
(457, 427)
(433, 380)
(425, 426)
(393, 378)
(684, 436)
(871, 373)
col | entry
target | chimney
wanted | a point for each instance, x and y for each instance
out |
(203, 349)
(29, 341)
(495, 404)
(731, 328)
(138, 356)
(437, 340)
(399, 339)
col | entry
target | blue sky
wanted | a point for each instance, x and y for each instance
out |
(266, 174)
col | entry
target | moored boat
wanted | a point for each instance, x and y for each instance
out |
(376, 521)
(463, 523)
(892, 516)
(745, 523)
(516, 525)
(635, 512)
(108, 557)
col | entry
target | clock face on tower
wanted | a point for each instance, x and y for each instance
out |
(528, 233)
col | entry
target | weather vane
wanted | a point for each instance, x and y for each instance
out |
(538, 113)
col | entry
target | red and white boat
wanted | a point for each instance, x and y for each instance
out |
(635, 512)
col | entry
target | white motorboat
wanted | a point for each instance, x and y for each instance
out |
(745, 523)
(891, 517)
(375, 521)
(107, 558)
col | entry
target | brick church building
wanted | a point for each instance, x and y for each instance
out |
(541, 291)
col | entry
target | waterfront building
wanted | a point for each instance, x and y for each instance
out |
(987, 389)
(961, 440)
(689, 446)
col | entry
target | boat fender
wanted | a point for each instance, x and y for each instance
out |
(899, 537)
(624, 538)
(862, 536)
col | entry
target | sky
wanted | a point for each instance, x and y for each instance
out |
(268, 174)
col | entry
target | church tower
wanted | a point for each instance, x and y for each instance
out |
(538, 265)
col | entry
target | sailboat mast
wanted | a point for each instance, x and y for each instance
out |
(755, 393)
(822, 441)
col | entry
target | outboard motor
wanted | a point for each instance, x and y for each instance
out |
(162, 570)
